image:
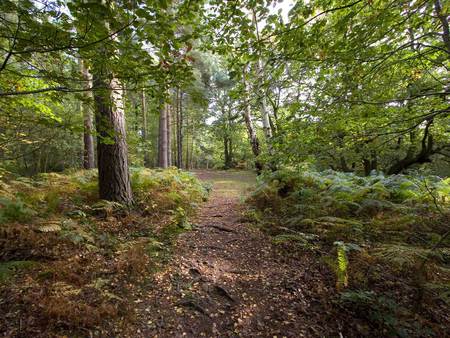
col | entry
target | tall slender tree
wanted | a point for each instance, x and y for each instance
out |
(169, 134)
(88, 121)
(261, 97)
(179, 124)
(145, 129)
(248, 118)
(162, 140)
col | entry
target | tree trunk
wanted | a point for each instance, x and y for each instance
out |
(248, 118)
(88, 122)
(230, 151)
(267, 128)
(186, 164)
(424, 156)
(169, 135)
(225, 152)
(228, 140)
(193, 155)
(445, 26)
(162, 144)
(370, 164)
(144, 130)
(228, 159)
(179, 128)
(113, 174)
(261, 96)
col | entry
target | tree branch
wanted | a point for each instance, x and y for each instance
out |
(11, 50)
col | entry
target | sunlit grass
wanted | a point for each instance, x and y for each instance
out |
(229, 183)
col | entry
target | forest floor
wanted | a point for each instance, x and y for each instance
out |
(180, 264)
(227, 279)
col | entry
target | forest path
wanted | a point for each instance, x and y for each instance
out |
(227, 279)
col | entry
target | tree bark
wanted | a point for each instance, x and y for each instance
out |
(261, 96)
(88, 122)
(144, 130)
(248, 118)
(227, 141)
(186, 164)
(169, 135)
(371, 163)
(231, 152)
(193, 155)
(424, 156)
(162, 144)
(113, 174)
(445, 26)
(179, 128)
(228, 154)
(267, 128)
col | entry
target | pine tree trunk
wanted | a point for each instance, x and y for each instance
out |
(112, 152)
(193, 155)
(144, 130)
(169, 135)
(88, 122)
(230, 152)
(191, 161)
(187, 144)
(162, 145)
(179, 128)
(229, 138)
(226, 153)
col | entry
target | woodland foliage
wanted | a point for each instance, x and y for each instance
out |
(385, 237)
(341, 106)
(68, 258)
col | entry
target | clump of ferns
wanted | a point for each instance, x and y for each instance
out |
(380, 310)
(421, 259)
(399, 225)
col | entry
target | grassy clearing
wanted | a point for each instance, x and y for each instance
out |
(229, 183)
(69, 262)
(384, 237)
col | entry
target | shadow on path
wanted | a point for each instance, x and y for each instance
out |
(227, 279)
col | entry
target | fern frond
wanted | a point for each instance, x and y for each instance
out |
(401, 255)
(51, 227)
(342, 267)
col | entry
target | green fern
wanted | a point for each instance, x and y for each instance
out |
(14, 210)
(442, 291)
(302, 239)
(402, 256)
(342, 266)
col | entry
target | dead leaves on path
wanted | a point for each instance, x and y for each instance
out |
(228, 280)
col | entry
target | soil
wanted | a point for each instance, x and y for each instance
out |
(227, 279)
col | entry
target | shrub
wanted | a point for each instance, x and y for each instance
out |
(384, 230)
(167, 189)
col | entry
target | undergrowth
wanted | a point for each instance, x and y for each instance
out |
(384, 238)
(67, 259)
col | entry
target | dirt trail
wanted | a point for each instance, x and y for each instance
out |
(227, 279)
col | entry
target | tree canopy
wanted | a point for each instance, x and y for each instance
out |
(350, 85)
